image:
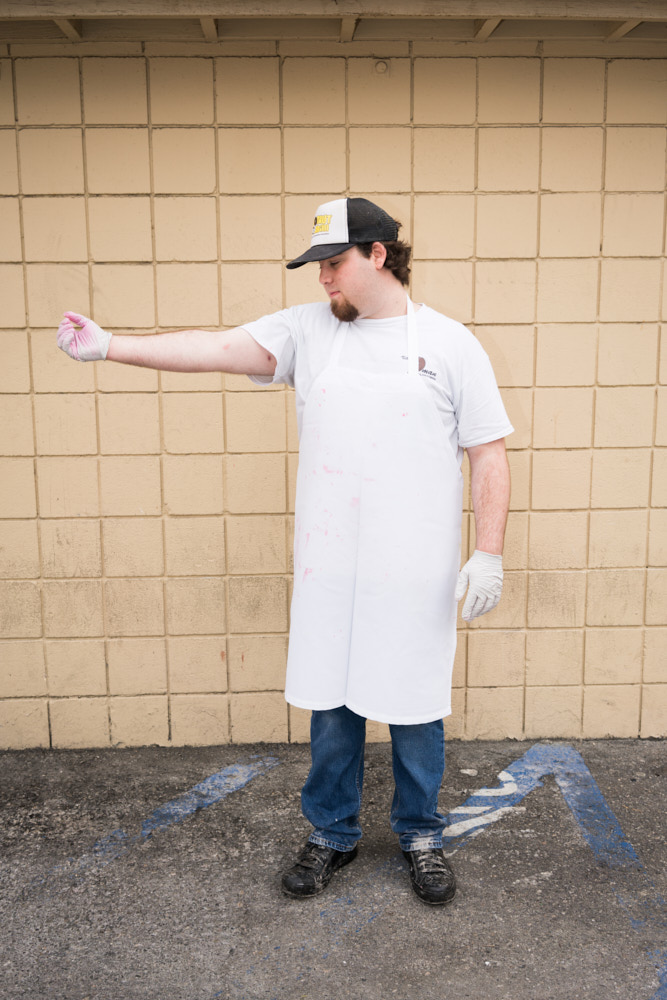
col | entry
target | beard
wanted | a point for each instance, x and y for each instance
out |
(344, 310)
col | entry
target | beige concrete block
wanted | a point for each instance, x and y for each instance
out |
(9, 174)
(53, 371)
(181, 91)
(72, 608)
(192, 484)
(633, 225)
(315, 160)
(380, 159)
(242, 219)
(256, 484)
(299, 724)
(199, 720)
(124, 296)
(444, 226)
(628, 354)
(520, 473)
(635, 159)
(656, 597)
(197, 664)
(655, 656)
(15, 372)
(255, 422)
(187, 295)
(257, 662)
(50, 287)
(78, 723)
(509, 159)
(506, 225)
(573, 91)
(249, 160)
(54, 229)
(563, 418)
(455, 723)
(509, 90)
(553, 712)
(17, 487)
(11, 280)
(24, 724)
(444, 159)
(259, 718)
(313, 91)
(613, 656)
(76, 667)
(618, 538)
(185, 229)
(195, 605)
(570, 225)
(558, 540)
(654, 711)
(134, 607)
(10, 230)
(572, 159)
(519, 406)
(174, 172)
(6, 93)
(446, 287)
(511, 350)
(567, 291)
(65, 425)
(247, 91)
(256, 545)
(661, 417)
(460, 668)
(193, 382)
(130, 484)
(505, 291)
(554, 656)
(117, 161)
(620, 478)
(257, 604)
(612, 427)
(19, 550)
(659, 483)
(114, 91)
(301, 284)
(47, 91)
(70, 548)
(495, 713)
(515, 552)
(556, 600)
(67, 487)
(132, 546)
(22, 672)
(445, 91)
(137, 666)
(250, 291)
(510, 613)
(496, 658)
(615, 597)
(195, 546)
(657, 538)
(139, 721)
(120, 229)
(16, 425)
(129, 423)
(378, 91)
(637, 91)
(611, 711)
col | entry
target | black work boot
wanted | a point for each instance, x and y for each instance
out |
(313, 870)
(431, 877)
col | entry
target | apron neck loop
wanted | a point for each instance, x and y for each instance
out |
(413, 350)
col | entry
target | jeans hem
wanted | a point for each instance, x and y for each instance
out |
(323, 842)
(420, 844)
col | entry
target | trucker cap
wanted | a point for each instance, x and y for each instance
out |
(342, 224)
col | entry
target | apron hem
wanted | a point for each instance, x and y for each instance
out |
(374, 716)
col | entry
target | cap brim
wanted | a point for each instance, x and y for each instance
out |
(322, 252)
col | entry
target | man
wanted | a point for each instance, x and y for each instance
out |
(388, 396)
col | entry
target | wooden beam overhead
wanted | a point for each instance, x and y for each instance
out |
(621, 30)
(484, 29)
(209, 28)
(70, 29)
(348, 26)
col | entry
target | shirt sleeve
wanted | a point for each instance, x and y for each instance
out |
(276, 333)
(481, 415)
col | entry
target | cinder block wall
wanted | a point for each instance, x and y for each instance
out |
(145, 519)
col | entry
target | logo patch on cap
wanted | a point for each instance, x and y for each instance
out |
(321, 224)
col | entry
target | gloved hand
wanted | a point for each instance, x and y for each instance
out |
(482, 576)
(88, 343)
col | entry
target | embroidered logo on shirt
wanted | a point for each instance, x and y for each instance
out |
(321, 224)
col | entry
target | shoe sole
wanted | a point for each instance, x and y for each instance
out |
(342, 861)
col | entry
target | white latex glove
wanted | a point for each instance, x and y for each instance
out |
(82, 338)
(482, 577)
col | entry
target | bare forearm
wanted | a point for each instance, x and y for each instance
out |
(193, 351)
(490, 487)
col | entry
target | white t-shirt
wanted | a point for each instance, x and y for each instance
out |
(455, 367)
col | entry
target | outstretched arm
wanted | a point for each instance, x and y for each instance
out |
(182, 351)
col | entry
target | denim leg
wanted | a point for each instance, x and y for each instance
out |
(418, 756)
(331, 796)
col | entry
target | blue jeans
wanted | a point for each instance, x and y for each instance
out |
(331, 796)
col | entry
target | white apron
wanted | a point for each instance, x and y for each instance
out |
(377, 545)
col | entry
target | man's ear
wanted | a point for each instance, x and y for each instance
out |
(378, 255)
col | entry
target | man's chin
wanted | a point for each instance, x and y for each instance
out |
(344, 310)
